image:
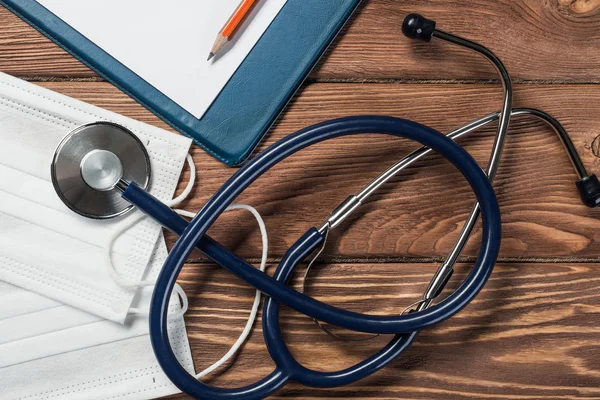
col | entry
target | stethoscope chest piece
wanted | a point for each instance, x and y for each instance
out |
(89, 163)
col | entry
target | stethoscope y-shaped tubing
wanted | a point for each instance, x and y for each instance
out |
(194, 232)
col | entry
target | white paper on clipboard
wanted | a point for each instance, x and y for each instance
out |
(166, 43)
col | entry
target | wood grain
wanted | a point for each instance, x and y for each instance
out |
(531, 334)
(542, 215)
(557, 40)
(533, 331)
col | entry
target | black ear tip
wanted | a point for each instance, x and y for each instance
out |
(411, 24)
(589, 190)
(416, 26)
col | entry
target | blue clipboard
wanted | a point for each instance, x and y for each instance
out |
(264, 83)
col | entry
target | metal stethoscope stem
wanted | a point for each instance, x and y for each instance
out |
(446, 270)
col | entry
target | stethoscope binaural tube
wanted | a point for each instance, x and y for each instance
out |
(287, 368)
(416, 26)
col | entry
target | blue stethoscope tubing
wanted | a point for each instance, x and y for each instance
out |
(405, 327)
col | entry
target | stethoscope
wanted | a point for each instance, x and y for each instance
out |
(102, 170)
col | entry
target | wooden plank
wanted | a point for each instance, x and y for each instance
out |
(538, 40)
(421, 213)
(25, 52)
(532, 333)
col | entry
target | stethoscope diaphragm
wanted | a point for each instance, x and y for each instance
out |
(91, 160)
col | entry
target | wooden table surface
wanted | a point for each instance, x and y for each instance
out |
(533, 333)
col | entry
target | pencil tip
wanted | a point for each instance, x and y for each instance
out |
(211, 55)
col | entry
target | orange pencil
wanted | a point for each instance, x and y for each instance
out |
(227, 32)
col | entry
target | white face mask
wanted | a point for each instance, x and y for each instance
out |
(52, 351)
(48, 349)
(45, 247)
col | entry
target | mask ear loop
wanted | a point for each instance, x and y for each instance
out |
(254, 311)
(120, 229)
(127, 283)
